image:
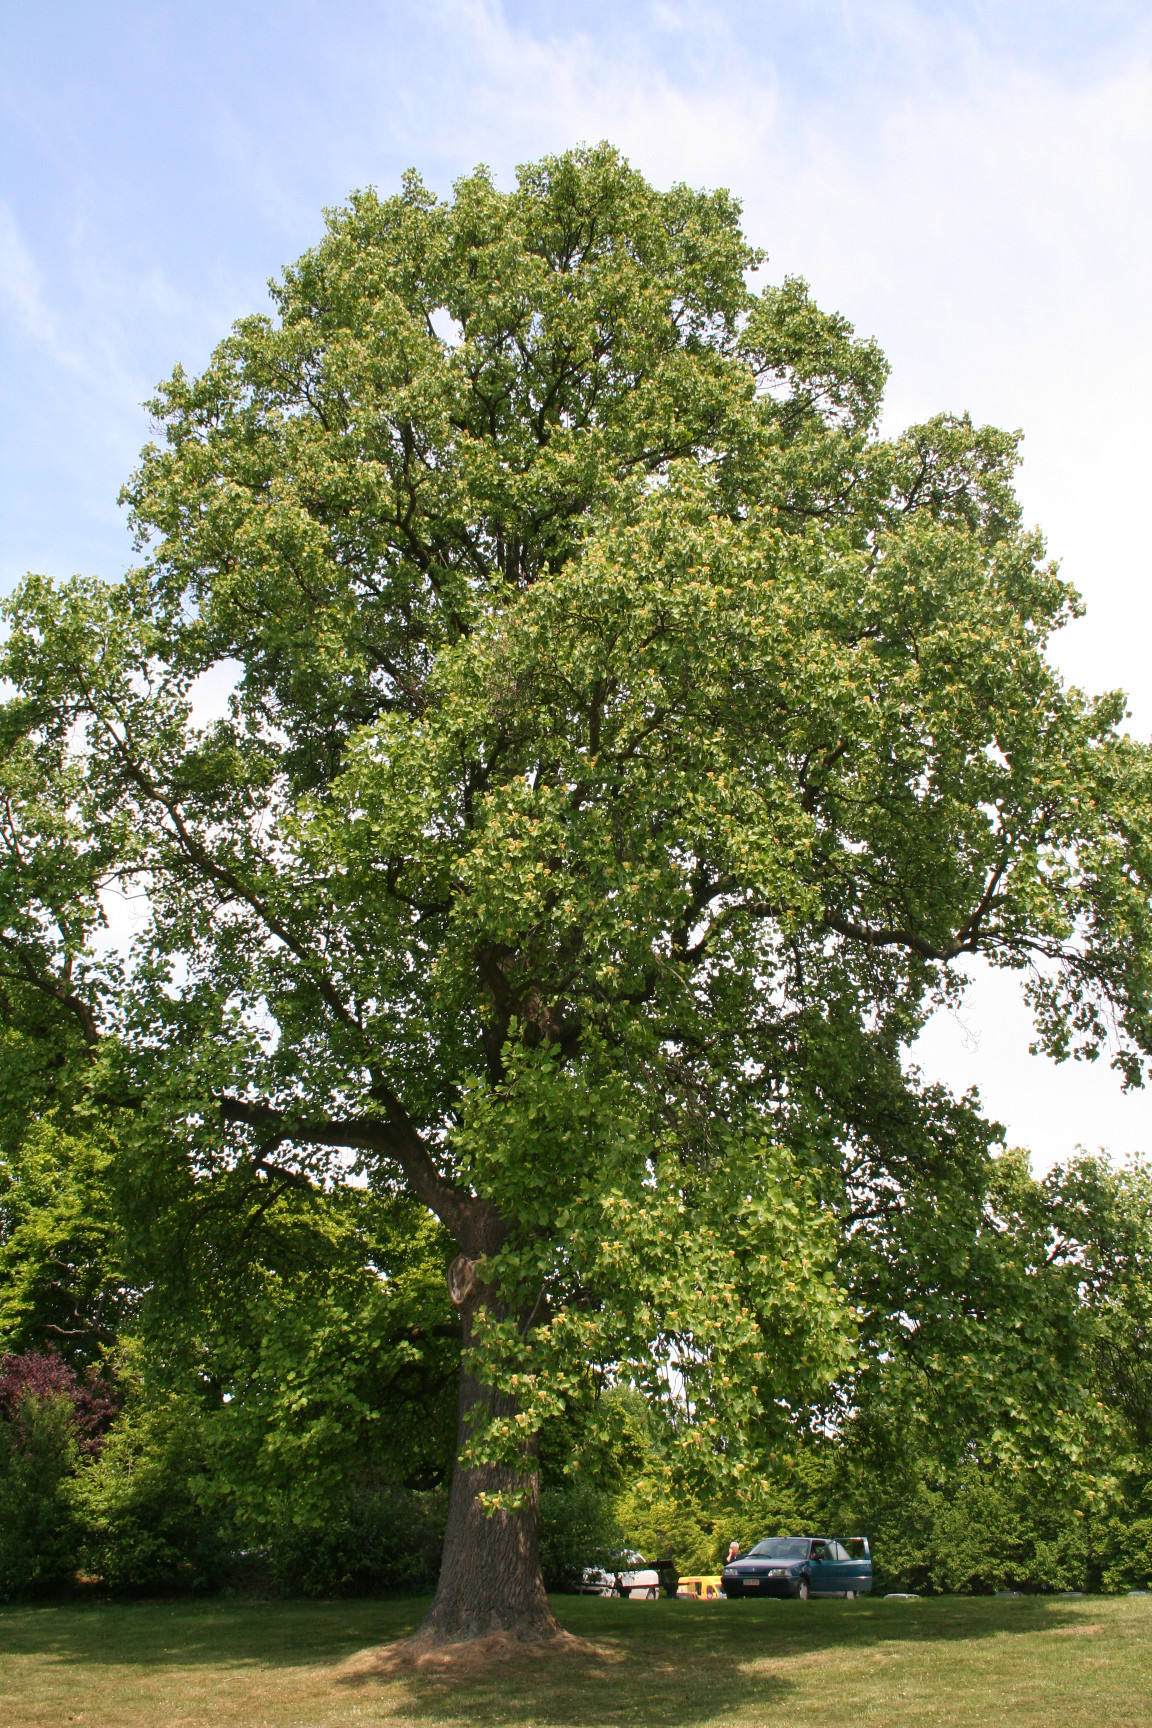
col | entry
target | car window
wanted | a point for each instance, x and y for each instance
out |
(780, 1548)
(836, 1552)
(821, 1551)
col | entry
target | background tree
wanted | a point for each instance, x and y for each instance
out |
(989, 1433)
(626, 744)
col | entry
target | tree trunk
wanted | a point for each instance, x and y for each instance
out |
(490, 1571)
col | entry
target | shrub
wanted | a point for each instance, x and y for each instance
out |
(1125, 1545)
(41, 1374)
(38, 1527)
(382, 1541)
(680, 1527)
(972, 1531)
(152, 1518)
(49, 1421)
(578, 1530)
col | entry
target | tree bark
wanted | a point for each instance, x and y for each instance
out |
(490, 1578)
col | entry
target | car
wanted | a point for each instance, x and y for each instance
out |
(637, 1580)
(801, 1566)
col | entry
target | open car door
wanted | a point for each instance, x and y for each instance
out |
(824, 1573)
(858, 1570)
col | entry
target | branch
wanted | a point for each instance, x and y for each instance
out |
(226, 878)
(291, 1178)
(965, 940)
(695, 951)
(895, 939)
(57, 989)
(474, 1223)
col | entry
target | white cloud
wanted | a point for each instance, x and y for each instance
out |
(21, 285)
(1051, 1108)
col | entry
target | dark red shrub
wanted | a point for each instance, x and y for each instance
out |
(43, 1374)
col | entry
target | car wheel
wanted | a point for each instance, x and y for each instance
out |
(802, 1590)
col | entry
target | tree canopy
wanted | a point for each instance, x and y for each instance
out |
(627, 743)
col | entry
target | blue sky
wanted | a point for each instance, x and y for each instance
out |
(972, 184)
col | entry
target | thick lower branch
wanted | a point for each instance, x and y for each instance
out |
(473, 1222)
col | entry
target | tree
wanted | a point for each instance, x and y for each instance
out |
(626, 744)
(61, 1246)
(1102, 1240)
(48, 1421)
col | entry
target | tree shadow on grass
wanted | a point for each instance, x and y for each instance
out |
(182, 1633)
(585, 1687)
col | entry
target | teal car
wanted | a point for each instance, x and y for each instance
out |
(801, 1566)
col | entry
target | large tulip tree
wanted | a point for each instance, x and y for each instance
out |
(627, 749)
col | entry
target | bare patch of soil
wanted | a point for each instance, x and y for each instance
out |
(420, 1655)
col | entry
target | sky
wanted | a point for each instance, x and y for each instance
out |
(969, 183)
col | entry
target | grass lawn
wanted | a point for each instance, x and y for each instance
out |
(1024, 1661)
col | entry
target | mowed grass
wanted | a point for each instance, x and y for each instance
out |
(669, 1664)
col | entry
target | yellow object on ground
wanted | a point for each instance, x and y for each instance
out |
(702, 1588)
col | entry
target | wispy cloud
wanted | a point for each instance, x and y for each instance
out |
(21, 283)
